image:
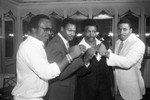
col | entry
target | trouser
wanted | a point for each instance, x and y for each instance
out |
(119, 97)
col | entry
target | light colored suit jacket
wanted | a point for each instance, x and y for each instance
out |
(128, 76)
(63, 87)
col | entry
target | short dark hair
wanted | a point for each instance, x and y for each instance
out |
(125, 20)
(67, 21)
(89, 22)
(35, 21)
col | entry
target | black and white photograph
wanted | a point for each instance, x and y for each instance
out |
(74, 49)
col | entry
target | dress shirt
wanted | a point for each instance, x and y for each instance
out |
(64, 40)
(33, 71)
(83, 42)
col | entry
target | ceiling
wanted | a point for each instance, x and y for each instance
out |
(30, 1)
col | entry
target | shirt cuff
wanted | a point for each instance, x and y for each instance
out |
(87, 65)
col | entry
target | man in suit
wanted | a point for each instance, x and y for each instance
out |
(92, 79)
(62, 88)
(126, 59)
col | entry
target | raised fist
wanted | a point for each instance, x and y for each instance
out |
(75, 51)
(83, 48)
(101, 49)
(89, 54)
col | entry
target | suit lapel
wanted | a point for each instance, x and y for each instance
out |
(61, 43)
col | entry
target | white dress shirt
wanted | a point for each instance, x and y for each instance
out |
(83, 42)
(33, 71)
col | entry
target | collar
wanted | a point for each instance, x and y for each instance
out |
(83, 42)
(35, 40)
(129, 38)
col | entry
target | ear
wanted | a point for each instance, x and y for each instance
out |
(34, 30)
(97, 33)
(131, 30)
(83, 34)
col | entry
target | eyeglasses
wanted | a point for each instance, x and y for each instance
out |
(47, 29)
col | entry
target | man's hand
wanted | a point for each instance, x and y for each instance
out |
(101, 49)
(89, 54)
(83, 48)
(75, 51)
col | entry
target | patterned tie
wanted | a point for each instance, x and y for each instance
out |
(120, 47)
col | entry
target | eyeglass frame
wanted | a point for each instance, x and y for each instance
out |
(48, 29)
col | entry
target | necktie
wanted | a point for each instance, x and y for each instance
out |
(120, 47)
(116, 87)
(67, 44)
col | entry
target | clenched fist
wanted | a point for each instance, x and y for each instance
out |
(89, 54)
(83, 48)
(75, 51)
(101, 49)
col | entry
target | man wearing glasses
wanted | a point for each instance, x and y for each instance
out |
(63, 87)
(33, 68)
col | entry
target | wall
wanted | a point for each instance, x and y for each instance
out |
(114, 8)
(7, 64)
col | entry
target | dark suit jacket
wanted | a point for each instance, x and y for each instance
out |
(62, 87)
(93, 82)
